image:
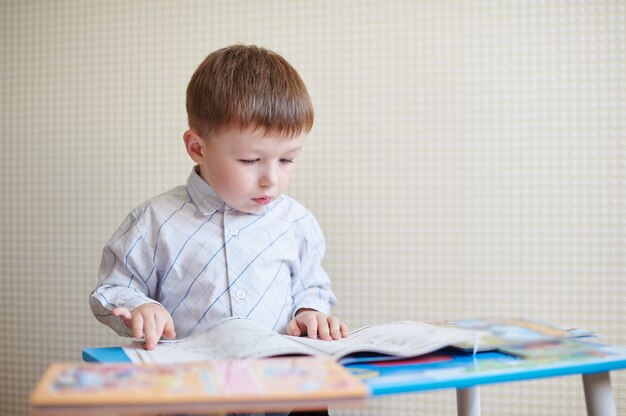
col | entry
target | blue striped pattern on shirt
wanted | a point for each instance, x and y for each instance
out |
(204, 261)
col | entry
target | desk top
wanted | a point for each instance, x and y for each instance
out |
(450, 368)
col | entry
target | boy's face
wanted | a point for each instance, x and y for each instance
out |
(248, 169)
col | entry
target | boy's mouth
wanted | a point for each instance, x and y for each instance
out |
(263, 200)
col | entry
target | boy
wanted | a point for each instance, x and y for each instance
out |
(228, 242)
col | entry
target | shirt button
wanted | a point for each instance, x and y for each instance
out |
(234, 232)
(240, 294)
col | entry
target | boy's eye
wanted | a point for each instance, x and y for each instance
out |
(248, 161)
(284, 160)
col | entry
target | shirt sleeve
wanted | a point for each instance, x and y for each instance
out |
(311, 286)
(127, 276)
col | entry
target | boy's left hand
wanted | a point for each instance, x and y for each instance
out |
(313, 322)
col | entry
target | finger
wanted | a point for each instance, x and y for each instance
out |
(150, 332)
(124, 315)
(293, 328)
(334, 327)
(311, 328)
(323, 327)
(164, 325)
(149, 343)
(345, 331)
(169, 331)
(136, 325)
(121, 312)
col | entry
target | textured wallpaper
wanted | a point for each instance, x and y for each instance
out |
(467, 159)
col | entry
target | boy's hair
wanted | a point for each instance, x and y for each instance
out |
(248, 86)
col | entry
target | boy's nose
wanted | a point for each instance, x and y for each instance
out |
(269, 178)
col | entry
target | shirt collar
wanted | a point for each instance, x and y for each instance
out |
(202, 194)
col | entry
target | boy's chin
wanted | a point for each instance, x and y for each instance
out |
(251, 209)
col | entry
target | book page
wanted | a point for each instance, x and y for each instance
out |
(399, 339)
(231, 338)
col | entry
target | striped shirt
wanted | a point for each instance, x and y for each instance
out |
(205, 261)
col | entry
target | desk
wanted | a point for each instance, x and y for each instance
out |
(464, 372)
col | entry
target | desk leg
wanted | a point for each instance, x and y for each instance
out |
(468, 402)
(599, 394)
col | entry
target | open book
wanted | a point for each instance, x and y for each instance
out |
(237, 338)
(212, 386)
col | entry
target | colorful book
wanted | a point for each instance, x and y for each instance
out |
(498, 333)
(563, 349)
(241, 338)
(277, 384)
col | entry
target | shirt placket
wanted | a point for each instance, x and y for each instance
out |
(235, 265)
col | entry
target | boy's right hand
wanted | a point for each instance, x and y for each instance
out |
(148, 321)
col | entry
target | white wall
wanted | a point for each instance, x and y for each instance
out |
(467, 160)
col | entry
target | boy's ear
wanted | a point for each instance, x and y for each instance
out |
(194, 146)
